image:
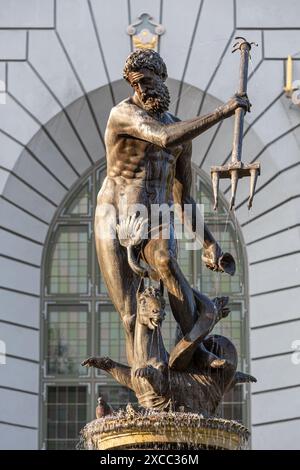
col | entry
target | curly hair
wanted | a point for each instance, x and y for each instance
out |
(145, 59)
(154, 293)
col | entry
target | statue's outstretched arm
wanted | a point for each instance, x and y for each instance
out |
(130, 120)
(182, 196)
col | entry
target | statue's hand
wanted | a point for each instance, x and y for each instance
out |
(211, 256)
(216, 260)
(239, 100)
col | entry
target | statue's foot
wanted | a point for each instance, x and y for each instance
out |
(218, 363)
(221, 305)
(206, 359)
(103, 363)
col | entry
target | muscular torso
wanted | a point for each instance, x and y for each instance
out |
(138, 172)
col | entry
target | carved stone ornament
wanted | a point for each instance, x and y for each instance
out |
(145, 32)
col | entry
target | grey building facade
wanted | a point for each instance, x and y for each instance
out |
(60, 73)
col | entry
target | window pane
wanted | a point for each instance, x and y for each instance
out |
(67, 340)
(80, 204)
(232, 327)
(234, 405)
(68, 271)
(66, 412)
(111, 334)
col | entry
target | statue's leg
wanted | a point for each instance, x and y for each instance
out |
(194, 317)
(160, 254)
(122, 284)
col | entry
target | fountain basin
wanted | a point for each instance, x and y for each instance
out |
(163, 430)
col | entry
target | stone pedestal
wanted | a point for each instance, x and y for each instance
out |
(163, 430)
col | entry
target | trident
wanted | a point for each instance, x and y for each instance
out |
(236, 168)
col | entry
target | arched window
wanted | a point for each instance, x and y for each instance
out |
(79, 319)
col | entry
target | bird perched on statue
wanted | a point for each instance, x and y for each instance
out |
(103, 408)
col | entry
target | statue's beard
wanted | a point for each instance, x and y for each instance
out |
(156, 101)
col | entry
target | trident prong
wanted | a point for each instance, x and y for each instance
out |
(253, 179)
(236, 169)
(240, 42)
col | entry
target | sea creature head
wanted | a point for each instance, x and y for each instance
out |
(151, 306)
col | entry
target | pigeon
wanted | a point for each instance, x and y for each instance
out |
(103, 408)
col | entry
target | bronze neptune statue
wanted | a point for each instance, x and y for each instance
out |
(149, 166)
